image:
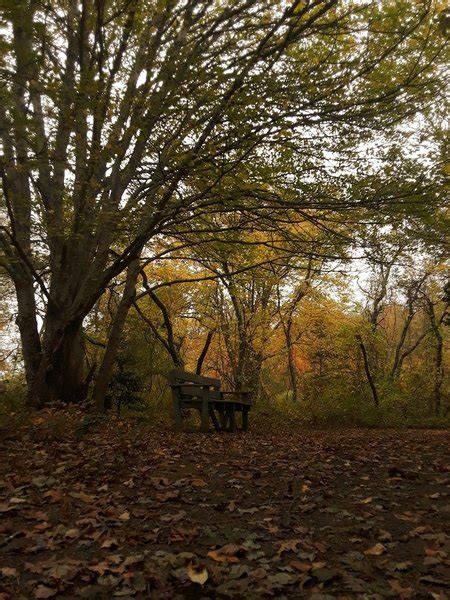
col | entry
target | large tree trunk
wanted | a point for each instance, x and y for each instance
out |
(115, 335)
(248, 368)
(29, 335)
(61, 373)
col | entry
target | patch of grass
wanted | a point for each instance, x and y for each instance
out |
(328, 412)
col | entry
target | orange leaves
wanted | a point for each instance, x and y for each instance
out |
(222, 557)
(226, 554)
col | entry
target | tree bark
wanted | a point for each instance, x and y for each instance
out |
(204, 352)
(370, 379)
(115, 335)
(438, 356)
(439, 373)
(292, 370)
(61, 373)
(412, 295)
(29, 335)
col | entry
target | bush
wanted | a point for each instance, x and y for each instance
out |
(13, 392)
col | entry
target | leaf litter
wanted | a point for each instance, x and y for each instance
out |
(136, 513)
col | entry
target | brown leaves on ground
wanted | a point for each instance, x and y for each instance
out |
(121, 512)
(376, 550)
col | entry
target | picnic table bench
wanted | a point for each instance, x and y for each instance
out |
(190, 390)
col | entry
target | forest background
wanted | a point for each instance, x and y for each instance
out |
(254, 190)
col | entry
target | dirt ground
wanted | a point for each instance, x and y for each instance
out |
(131, 512)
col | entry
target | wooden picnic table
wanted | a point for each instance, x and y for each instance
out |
(204, 394)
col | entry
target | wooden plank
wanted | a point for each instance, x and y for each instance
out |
(178, 417)
(177, 375)
(197, 391)
(231, 418)
(244, 399)
(222, 416)
(212, 414)
(205, 416)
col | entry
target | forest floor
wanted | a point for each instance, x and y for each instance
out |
(130, 512)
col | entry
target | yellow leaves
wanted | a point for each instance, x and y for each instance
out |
(197, 573)
(300, 7)
(367, 500)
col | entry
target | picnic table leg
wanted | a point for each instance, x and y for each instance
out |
(178, 417)
(245, 418)
(213, 416)
(232, 416)
(222, 418)
(205, 416)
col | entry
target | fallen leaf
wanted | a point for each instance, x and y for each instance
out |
(300, 566)
(376, 550)
(258, 574)
(44, 592)
(9, 572)
(402, 592)
(222, 557)
(281, 579)
(165, 496)
(109, 543)
(197, 574)
(199, 483)
(367, 500)
(65, 572)
(288, 546)
(72, 533)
